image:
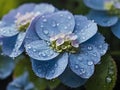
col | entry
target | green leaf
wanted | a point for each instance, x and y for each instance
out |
(6, 6)
(105, 75)
(23, 64)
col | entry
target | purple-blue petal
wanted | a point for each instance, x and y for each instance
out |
(102, 18)
(99, 42)
(40, 50)
(31, 34)
(52, 24)
(50, 69)
(7, 31)
(10, 17)
(116, 29)
(48, 8)
(13, 46)
(82, 64)
(95, 4)
(70, 79)
(84, 28)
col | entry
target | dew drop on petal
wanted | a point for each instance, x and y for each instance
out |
(108, 79)
(45, 32)
(89, 48)
(44, 20)
(90, 62)
(76, 66)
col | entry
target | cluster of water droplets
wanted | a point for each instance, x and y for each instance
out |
(42, 53)
(111, 72)
(47, 66)
(16, 50)
(54, 24)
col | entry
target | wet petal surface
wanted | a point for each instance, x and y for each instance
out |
(52, 68)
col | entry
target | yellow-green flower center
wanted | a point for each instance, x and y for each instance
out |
(113, 7)
(23, 20)
(65, 43)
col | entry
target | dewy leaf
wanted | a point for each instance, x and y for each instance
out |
(23, 64)
(105, 75)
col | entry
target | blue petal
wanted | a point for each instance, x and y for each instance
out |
(99, 42)
(47, 8)
(10, 17)
(95, 4)
(102, 18)
(6, 66)
(71, 79)
(13, 46)
(26, 8)
(82, 64)
(84, 28)
(21, 82)
(40, 50)
(50, 69)
(31, 34)
(116, 29)
(51, 24)
(7, 31)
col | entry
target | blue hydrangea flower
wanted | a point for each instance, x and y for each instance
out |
(106, 13)
(21, 83)
(13, 26)
(65, 46)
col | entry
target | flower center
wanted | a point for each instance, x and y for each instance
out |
(23, 20)
(113, 7)
(65, 43)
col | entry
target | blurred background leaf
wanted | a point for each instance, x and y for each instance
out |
(105, 75)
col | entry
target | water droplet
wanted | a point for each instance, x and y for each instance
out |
(53, 71)
(80, 58)
(100, 46)
(34, 50)
(108, 79)
(83, 38)
(2, 53)
(89, 47)
(94, 54)
(45, 31)
(82, 71)
(90, 62)
(61, 15)
(76, 66)
(57, 24)
(29, 47)
(43, 54)
(65, 27)
(51, 52)
(39, 70)
(39, 53)
(43, 16)
(44, 20)
(41, 26)
(111, 72)
(69, 17)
